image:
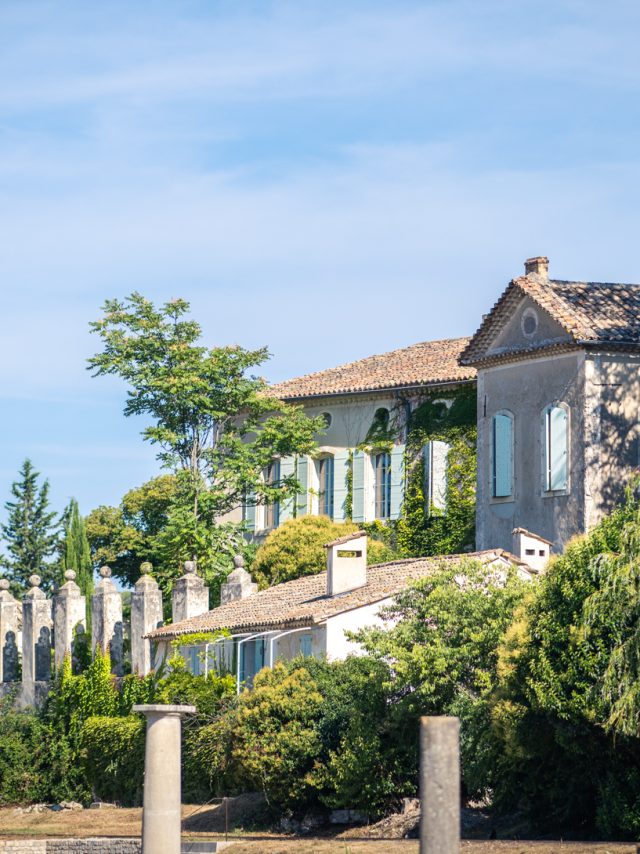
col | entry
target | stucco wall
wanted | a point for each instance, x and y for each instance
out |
(525, 388)
(612, 407)
(338, 646)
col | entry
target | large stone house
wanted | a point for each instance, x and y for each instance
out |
(358, 469)
(558, 401)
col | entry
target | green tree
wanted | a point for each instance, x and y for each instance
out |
(296, 548)
(76, 553)
(216, 425)
(566, 760)
(31, 531)
(442, 645)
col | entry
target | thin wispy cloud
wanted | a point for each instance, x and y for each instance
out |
(283, 165)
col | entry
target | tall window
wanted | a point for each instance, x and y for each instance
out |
(325, 486)
(556, 448)
(502, 456)
(382, 471)
(272, 511)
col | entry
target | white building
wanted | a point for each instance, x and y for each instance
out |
(309, 616)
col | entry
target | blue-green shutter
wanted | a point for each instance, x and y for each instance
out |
(287, 469)
(302, 474)
(359, 485)
(341, 463)
(502, 455)
(397, 481)
(435, 470)
(250, 512)
(558, 448)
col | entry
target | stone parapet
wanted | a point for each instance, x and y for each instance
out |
(190, 596)
(146, 615)
(107, 628)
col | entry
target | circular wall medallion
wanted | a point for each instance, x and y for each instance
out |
(529, 322)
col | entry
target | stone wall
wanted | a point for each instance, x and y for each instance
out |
(71, 846)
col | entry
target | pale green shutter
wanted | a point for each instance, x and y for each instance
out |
(435, 466)
(397, 481)
(250, 512)
(341, 463)
(558, 448)
(359, 463)
(302, 505)
(287, 469)
(502, 455)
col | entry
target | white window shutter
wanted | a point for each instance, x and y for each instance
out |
(502, 455)
(359, 484)
(435, 469)
(397, 481)
(287, 469)
(341, 463)
(302, 474)
(558, 448)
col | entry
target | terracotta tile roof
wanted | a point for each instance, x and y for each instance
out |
(304, 601)
(590, 312)
(428, 363)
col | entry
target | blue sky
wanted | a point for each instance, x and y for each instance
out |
(331, 179)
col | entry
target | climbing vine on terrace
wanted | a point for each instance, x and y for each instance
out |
(429, 531)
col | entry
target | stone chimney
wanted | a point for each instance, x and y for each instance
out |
(538, 266)
(346, 563)
(533, 549)
(239, 583)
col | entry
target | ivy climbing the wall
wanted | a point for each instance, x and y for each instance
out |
(423, 530)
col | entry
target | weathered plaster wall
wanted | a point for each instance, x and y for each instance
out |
(612, 408)
(338, 645)
(525, 388)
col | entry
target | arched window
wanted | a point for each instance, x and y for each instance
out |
(271, 476)
(382, 475)
(325, 472)
(556, 448)
(502, 455)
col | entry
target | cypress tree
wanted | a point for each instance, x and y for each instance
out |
(31, 531)
(76, 554)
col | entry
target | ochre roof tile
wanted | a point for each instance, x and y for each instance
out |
(304, 601)
(427, 363)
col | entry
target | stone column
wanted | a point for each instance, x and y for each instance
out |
(239, 583)
(9, 613)
(107, 628)
(69, 611)
(146, 615)
(161, 817)
(36, 636)
(190, 595)
(439, 785)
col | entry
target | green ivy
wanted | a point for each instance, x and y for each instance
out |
(348, 501)
(429, 531)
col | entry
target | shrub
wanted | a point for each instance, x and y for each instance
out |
(296, 549)
(113, 757)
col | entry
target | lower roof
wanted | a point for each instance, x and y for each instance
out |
(304, 601)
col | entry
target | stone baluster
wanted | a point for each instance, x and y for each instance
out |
(107, 628)
(36, 638)
(190, 595)
(69, 611)
(9, 620)
(146, 615)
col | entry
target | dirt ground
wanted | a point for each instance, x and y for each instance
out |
(128, 822)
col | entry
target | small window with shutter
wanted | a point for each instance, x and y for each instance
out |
(502, 455)
(556, 448)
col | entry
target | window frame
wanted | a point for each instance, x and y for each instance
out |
(271, 512)
(325, 495)
(381, 486)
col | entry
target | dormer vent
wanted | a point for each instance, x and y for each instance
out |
(346, 563)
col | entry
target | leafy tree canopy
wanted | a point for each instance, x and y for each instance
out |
(296, 549)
